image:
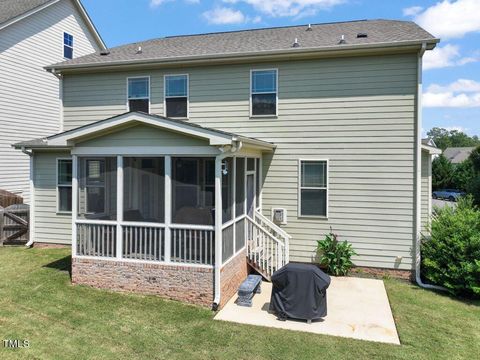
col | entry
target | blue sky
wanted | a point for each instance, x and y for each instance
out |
(451, 72)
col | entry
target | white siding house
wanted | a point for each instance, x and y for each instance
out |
(31, 37)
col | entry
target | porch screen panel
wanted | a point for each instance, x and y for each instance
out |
(240, 187)
(227, 189)
(193, 190)
(97, 188)
(144, 189)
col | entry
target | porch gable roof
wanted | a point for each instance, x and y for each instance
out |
(213, 136)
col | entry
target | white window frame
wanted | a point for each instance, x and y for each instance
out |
(58, 186)
(172, 97)
(251, 93)
(144, 98)
(300, 188)
(63, 45)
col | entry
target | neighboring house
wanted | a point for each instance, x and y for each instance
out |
(185, 150)
(34, 34)
(456, 155)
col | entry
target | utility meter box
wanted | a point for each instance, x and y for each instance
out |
(279, 216)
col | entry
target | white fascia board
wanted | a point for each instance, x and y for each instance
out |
(431, 150)
(215, 139)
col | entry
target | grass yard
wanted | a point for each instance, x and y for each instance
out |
(62, 321)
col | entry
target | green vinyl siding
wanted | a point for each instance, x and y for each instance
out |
(357, 112)
(50, 226)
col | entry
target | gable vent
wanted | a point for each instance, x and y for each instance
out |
(362, 35)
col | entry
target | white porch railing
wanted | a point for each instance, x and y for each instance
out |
(143, 242)
(96, 240)
(267, 245)
(192, 245)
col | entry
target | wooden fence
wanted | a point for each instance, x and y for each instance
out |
(7, 198)
(14, 227)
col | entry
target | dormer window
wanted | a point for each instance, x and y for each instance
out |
(67, 46)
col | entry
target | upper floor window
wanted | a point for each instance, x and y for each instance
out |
(67, 46)
(264, 92)
(176, 96)
(64, 185)
(313, 188)
(139, 94)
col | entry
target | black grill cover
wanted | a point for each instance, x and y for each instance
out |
(299, 291)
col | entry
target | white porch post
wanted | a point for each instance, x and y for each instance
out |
(218, 227)
(74, 203)
(119, 206)
(168, 207)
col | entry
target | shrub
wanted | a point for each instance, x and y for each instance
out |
(335, 256)
(451, 256)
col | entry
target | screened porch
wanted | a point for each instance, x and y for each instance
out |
(163, 208)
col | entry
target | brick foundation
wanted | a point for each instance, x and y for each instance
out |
(381, 273)
(189, 284)
(231, 276)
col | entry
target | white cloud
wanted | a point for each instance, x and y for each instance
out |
(448, 55)
(412, 11)
(223, 16)
(463, 93)
(450, 19)
(297, 8)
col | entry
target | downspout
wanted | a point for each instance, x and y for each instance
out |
(218, 220)
(418, 178)
(32, 199)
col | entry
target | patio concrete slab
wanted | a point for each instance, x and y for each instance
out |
(357, 308)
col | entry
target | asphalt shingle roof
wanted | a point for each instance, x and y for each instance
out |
(258, 40)
(10, 9)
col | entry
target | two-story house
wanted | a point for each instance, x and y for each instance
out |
(185, 158)
(34, 34)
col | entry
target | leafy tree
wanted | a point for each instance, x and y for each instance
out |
(452, 138)
(463, 175)
(442, 173)
(475, 159)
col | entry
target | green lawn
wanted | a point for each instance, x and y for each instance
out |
(62, 321)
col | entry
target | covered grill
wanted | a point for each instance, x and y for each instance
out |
(299, 291)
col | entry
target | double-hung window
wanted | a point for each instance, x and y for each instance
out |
(264, 92)
(176, 96)
(64, 185)
(313, 188)
(67, 46)
(139, 94)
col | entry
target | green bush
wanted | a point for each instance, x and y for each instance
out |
(335, 256)
(451, 255)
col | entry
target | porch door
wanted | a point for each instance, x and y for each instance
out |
(250, 194)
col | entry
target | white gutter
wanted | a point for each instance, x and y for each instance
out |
(418, 177)
(218, 220)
